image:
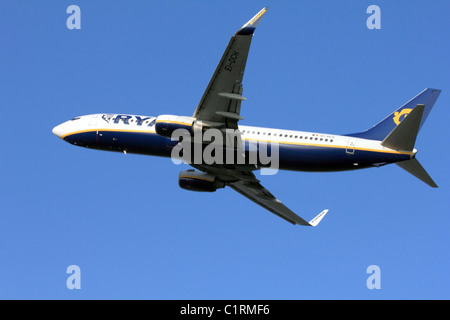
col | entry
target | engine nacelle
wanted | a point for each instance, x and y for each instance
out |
(165, 125)
(198, 181)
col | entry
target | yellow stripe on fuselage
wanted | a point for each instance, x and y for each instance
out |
(175, 122)
(109, 130)
(330, 146)
(257, 140)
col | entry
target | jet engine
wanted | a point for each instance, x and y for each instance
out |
(198, 181)
(165, 125)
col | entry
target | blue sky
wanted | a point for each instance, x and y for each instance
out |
(313, 66)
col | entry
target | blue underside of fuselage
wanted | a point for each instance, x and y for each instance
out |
(291, 156)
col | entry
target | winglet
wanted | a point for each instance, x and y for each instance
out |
(315, 221)
(250, 26)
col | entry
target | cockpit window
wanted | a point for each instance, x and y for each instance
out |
(76, 118)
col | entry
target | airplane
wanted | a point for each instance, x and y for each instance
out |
(390, 141)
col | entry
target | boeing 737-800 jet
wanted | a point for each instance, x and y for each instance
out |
(390, 141)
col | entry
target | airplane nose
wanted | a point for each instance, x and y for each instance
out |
(58, 131)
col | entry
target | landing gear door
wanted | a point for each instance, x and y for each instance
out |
(351, 144)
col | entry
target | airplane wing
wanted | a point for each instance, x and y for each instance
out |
(221, 103)
(220, 107)
(260, 195)
(244, 181)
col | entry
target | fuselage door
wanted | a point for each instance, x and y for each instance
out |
(351, 144)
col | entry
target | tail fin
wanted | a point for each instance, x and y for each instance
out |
(379, 132)
(403, 137)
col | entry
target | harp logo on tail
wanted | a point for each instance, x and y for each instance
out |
(399, 116)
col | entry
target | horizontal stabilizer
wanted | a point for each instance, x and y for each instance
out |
(403, 137)
(415, 168)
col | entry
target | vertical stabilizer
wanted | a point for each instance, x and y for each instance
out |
(427, 97)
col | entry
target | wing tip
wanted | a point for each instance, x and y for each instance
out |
(250, 26)
(315, 221)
